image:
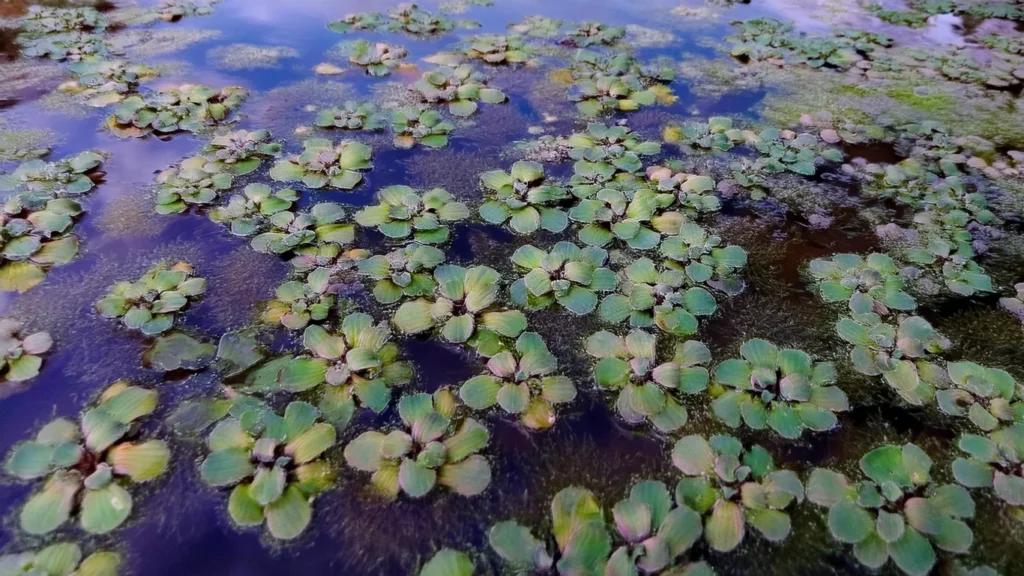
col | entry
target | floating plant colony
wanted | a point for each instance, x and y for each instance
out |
(632, 255)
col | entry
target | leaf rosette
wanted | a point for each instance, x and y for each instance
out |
(403, 213)
(635, 217)
(322, 163)
(731, 487)
(987, 396)
(86, 465)
(34, 240)
(36, 181)
(461, 87)
(320, 232)
(190, 108)
(297, 303)
(106, 82)
(694, 192)
(194, 182)
(784, 390)
(67, 46)
(61, 559)
(405, 272)
(896, 512)
(430, 449)
(498, 48)
(351, 116)
(566, 274)
(875, 279)
(377, 59)
(703, 258)
(464, 305)
(151, 303)
(592, 33)
(646, 391)
(664, 297)
(994, 462)
(617, 83)
(717, 134)
(22, 354)
(240, 152)
(523, 199)
(42, 20)
(521, 383)
(419, 125)
(249, 212)
(275, 465)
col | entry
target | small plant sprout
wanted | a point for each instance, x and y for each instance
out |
(523, 199)
(521, 383)
(732, 487)
(428, 450)
(404, 213)
(463, 303)
(784, 390)
(896, 512)
(566, 274)
(275, 464)
(150, 303)
(324, 164)
(351, 116)
(87, 465)
(646, 390)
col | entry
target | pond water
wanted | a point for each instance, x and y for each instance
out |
(907, 150)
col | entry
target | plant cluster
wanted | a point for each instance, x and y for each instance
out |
(61, 559)
(420, 125)
(190, 108)
(106, 82)
(769, 40)
(432, 447)
(461, 87)
(379, 58)
(195, 181)
(405, 272)
(86, 465)
(593, 33)
(319, 232)
(150, 303)
(22, 353)
(566, 274)
(523, 199)
(240, 152)
(323, 163)
(497, 49)
(617, 83)
(351, 116)
(407, 18)
(404, 213)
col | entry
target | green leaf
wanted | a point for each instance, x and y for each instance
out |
(849, 523)
(913, 553)
(105, 509)
(725, 527)
(289, 515)
(448, 562)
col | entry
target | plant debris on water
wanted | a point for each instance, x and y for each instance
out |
(477, 286)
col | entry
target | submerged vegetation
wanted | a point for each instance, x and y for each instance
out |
(559, 271)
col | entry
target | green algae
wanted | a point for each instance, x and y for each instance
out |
(249, 56)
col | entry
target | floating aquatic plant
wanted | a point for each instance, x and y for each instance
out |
(636, 217)
(537, 26)
(498, 48)
(994, 462)
(22, 356)
(461, 87)
(351, 116)
(406, 17)
(801, 154)
(240, 152)
(716, 134)
(150, 303)
(523, 199)
(430, 449)
(463, 304)
(360, 21)
(953, 262)
(703, 259)
(521, 383)
(61, 559)
(403, 212)
(378, 59)
(664, 297)
(178, 351)
(69, 46)
(33, 241)
(86, 465)
(195, 182)
(773, 41)
(249, 212)
(419, 125)
(646, 391)
(49, 20)
(731, 487)
(275, 465)
(175, 10)
(875, 280)
(616, 144)
(403, 273)
(566, 274)
(695, 192)
(593, 33)
(1015, 304)
(299, 302)
(36, 181)
(897, 352)
(323, 163)
(322, 228)
(106, 82)
(190, 108)
(988, 396)
(651, 535)
(897, 512)
(448, 562)
(611, 83)
(784, 390)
